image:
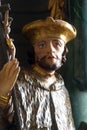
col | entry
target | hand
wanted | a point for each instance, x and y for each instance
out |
(8, 76)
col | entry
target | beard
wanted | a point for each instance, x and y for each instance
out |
(49, 67)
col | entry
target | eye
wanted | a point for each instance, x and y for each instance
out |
(57, 43)
(42, 44)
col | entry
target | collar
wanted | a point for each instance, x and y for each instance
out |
(41, 71)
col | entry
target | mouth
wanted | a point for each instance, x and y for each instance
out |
(51, 57)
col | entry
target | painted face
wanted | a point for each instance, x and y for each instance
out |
(48, 53)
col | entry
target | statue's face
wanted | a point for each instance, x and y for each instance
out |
(48, 53)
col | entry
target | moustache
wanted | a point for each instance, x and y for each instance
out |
(50, 56)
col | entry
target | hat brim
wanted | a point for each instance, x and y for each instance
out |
(49, 28)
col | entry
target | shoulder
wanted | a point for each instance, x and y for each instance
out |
(59, 77)
(26, 75)
(25, 72)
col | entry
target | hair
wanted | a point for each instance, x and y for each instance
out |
(31, 55)
(64, 55)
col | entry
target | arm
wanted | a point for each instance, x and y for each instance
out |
(9, 72)
(8, 77)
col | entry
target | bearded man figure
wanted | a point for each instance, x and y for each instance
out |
(41, 97)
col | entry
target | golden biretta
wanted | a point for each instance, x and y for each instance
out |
(49, 28)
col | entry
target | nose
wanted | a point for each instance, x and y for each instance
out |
(51, 47)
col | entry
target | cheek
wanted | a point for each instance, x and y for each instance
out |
(40, 54)
(60, 52)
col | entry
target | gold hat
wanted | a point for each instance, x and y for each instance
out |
(49, 28)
